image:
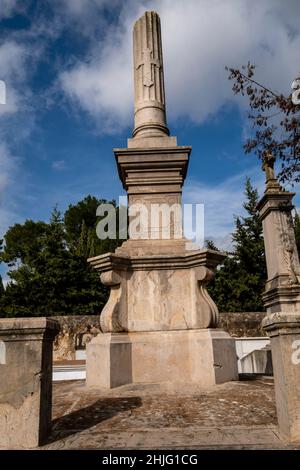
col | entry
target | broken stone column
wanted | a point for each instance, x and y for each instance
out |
(282, 300)
(25, 381)
(159, 324)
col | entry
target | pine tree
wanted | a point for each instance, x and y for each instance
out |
(239, 283)
(82, 247)
(210, 245)
(50, 276)
(1, 287)
(1, 283)
(248, 236)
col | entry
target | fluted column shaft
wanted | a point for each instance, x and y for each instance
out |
(149, 91)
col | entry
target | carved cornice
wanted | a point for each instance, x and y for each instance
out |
(110, 261)
(275, 201)
(29, 329)
(281, 324)
(152, 166)
(289, 294)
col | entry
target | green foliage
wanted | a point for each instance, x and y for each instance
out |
(1, 283)
(210, 244)
(80, 221)
(1, 288)
(274, 120)
(239, 283)
(23, 242)
(49, 273)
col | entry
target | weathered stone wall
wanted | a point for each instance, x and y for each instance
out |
(239, 324)
(76, 331)
(25, 381)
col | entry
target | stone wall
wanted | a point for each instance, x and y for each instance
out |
(25, 381)
(239, 324)
(76, 331)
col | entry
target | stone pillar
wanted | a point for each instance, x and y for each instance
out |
(284, 332)
(149, 96)
(150, 122)
(282, 300)
(25, 381)
(159, 324)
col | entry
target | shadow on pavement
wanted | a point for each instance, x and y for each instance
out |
(85, 418)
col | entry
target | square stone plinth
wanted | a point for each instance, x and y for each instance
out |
(25, 381)
(204, 357)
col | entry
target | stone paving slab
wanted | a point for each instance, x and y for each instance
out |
(233, 415)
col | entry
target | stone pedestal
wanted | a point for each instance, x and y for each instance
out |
(157, 324)
(282, 290)
(282, 299)
(25, 381)
(155, 319)
(157, 292)
(204, 357)
(284, 332)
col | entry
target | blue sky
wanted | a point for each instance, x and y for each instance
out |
(67, 65)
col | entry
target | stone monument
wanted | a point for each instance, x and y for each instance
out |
(282, 299)
(25, 381)
(159, 324)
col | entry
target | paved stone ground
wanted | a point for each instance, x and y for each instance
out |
(233, 415)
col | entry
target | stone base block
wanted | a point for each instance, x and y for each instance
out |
(25, 381)
(204, 357)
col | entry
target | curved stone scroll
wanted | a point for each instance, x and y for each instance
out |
(109, 318)
(208, 311)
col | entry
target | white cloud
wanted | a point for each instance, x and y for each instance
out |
(5, 167)
(7, 173)
(200, 37)
(83, 8)
(8, 7)
(5, 282)
(16, 123)
(103, 85)
(89, 18)
(221, 202)
(13, 58)
(2, 92)
(59, 165)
